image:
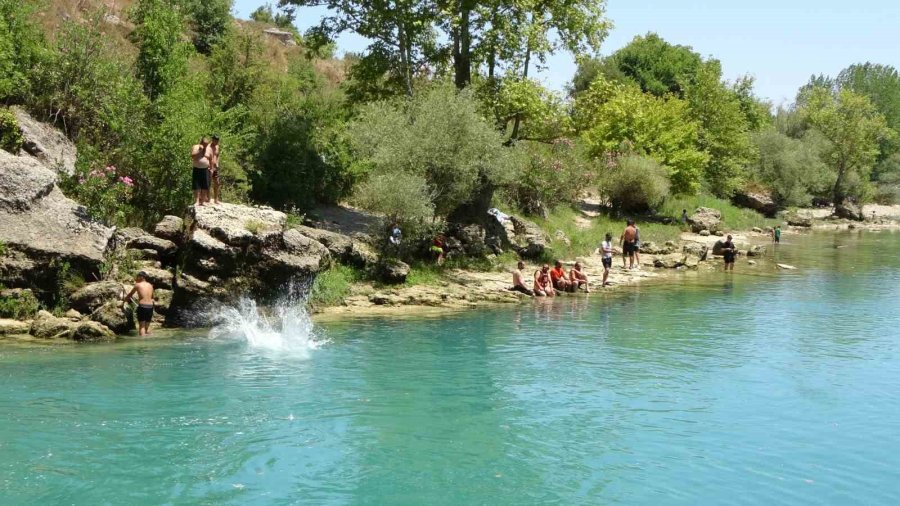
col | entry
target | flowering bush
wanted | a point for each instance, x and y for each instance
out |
(103, 192)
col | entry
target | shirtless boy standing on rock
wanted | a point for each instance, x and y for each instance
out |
(200, 156)
(144, 291)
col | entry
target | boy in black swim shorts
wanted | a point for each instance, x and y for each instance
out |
(144, 291)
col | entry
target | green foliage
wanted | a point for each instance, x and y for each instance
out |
(524, 109)
(791, 168)
(401, 197)
(612, 115)
(438, 137)
(10, 132)
(723, 128)
(854, 129)
(21, 49)
(635, 184)
(301, 156)
(210, 20)
(556, 174)
(104, 192)
(331, 287)
(19, 305)
(283, 18)
(88, 87)
(236, 69)
(656, 66)
(162, 55)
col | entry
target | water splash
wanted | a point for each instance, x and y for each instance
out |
(285, 327)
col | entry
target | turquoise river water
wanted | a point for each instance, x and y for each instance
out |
(761, 387)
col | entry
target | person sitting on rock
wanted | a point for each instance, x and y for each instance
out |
(519, 280)
(560, 280)
(578, 279)
(543, 287)
(437, 248)
(144, 291)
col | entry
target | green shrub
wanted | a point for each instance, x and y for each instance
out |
(20, 305)
(332, 286)
(556, 174)
(21, 49)
(635, 184)
(10, 132)
(440, 138)
(791, 168)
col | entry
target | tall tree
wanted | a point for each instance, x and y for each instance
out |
(854, 128)
(162, 55)
(658, 66)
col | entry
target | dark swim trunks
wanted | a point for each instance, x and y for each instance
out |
(145, 312)
(629, 248)
(607, 262)
(522, 289)
(200, 179)
(729, 257)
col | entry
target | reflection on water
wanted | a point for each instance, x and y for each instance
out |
(761, 386)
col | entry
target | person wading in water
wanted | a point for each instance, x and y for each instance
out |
(144, 292)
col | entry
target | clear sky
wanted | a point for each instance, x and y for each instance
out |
(780, 43)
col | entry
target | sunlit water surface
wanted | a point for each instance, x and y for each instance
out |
(760, 387)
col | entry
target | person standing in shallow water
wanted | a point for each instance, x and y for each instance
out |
(776, 234)
(200, 154)
(144, 292)
(628, 239)
(730, 253)
(606, 250)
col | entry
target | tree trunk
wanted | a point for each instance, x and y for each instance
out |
(837, 192)
(462, 42)
(405, 63)
(518, 120)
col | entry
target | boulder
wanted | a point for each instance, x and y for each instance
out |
(704, 233)
(529, 240)
(756, 251)
(13, 327)
(651, 248)
(93, 295)
(705, 218)
(170, 228)
(159, 278)
(759, 201)
(73, 315)
(848, 211)
(757, 230)
(786, 267)
(795, 220)
(46, 143)
(286, 38)
(201, 243)
(162, 299)
(92, 332)
(343, 248)
(719, 233)
(47, 326)
(112, 315)
(392, 271)
(672, 261)
(751, 262)
(237, 225)
(696, 249)
(42, 229)
(135, 238)
(472, 238)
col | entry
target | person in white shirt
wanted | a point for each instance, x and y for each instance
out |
(606, 249)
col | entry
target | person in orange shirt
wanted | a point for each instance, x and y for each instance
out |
(560, 279)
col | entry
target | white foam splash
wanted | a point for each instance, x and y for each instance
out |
(285, 327)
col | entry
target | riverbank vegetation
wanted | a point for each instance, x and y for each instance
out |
(434, 125)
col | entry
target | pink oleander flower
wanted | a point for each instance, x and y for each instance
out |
(110, 168)
(127, 181)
